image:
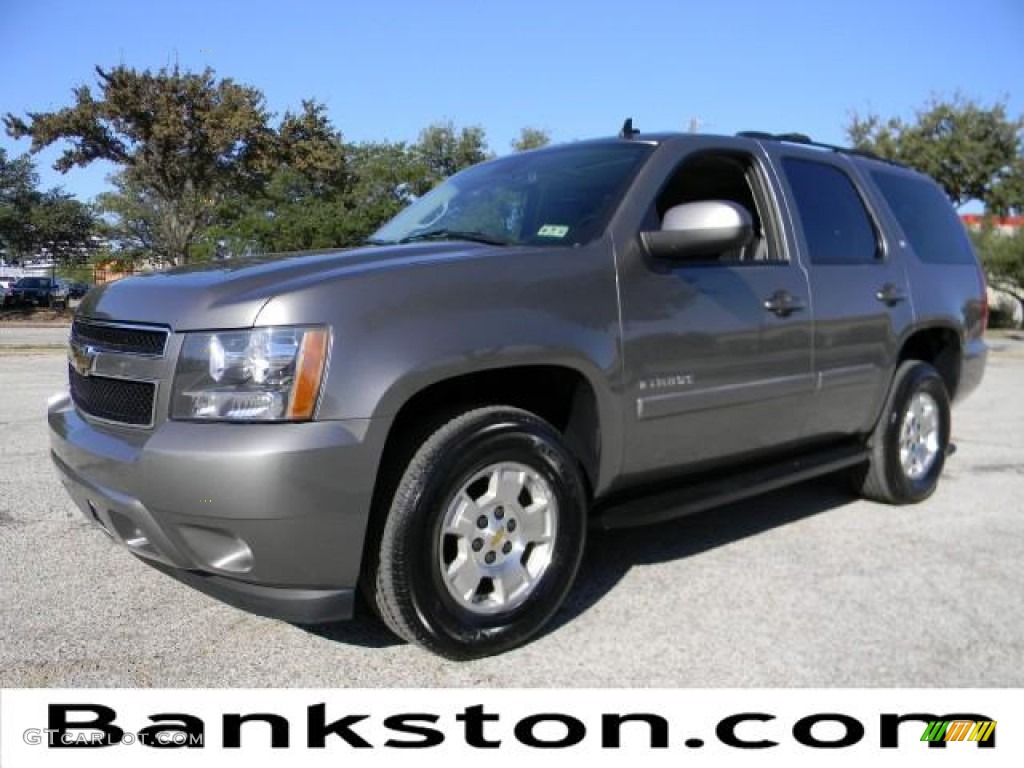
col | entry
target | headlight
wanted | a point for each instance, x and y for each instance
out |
(264, 374)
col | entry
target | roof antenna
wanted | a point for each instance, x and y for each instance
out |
(628, 131)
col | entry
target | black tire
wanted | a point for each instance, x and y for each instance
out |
(883, 478)
(406, 582)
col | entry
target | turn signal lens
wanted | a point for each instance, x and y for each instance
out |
(309, 369)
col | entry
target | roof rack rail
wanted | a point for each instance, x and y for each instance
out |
(802, 138)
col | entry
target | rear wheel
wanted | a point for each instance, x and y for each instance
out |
(911, 439)
(484, 535)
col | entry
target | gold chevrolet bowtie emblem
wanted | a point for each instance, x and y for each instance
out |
(82, 358)
(498, 538)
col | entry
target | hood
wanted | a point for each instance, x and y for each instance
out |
(230, 293)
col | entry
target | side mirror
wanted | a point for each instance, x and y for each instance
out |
(700, 230)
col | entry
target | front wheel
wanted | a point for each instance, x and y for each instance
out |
(484, 535)
(911, 439)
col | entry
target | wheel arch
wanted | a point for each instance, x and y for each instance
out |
(940, 346)
(562, 395)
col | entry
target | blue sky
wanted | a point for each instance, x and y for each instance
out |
(387, 68)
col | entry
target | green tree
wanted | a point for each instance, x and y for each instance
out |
(298, 207)
(63, 227)
(312, 148)
(18, 181)
(444, 150)
(976, 152)
(36, 223)
(1003, 256)
(286, 216)
(385, 177)
(531, 138)
(182, 141)
(137, 220)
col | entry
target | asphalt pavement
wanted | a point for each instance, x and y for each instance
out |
(807, 586)
(18, 335)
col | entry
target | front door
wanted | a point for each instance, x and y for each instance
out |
(717, 353)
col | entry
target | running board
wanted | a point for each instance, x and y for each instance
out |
(686, 499)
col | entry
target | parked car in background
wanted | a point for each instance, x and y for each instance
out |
(38, 291)
(6, 292)
(61, 293)
(78, 290)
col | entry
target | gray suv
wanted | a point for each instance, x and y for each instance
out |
(606, 333)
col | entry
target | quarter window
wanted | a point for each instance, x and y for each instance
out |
(927, 218)
(835, 223)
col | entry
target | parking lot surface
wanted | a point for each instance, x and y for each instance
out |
(807, 586)
(16, 335)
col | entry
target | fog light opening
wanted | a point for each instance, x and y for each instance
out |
(236, 562)
(137, 540)
(218, 550)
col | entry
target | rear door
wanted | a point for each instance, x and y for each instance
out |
(860, 295)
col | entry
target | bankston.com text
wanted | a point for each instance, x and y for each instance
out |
(91, 726)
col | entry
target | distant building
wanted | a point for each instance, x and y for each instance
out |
(108, 270)
(1005, 224)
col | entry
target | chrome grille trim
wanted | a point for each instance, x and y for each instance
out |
(121, 338)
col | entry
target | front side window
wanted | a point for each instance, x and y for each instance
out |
(835, 223)
(562, 196)
(719, 175)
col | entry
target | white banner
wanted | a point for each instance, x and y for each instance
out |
(804, 727)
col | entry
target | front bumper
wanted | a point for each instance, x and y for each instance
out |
(267, 517)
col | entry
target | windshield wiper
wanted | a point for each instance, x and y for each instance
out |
(454, 234)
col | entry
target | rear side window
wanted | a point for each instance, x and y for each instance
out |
(926, 217)
(836, 225)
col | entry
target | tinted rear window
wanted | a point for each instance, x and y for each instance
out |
(926, 217)
(835, 222)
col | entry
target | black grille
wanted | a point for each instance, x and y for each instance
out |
(128, 402)
(137, 341)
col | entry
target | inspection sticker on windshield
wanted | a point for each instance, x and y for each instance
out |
(553, 230)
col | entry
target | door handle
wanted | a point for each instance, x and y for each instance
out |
(783, 304)
(890, 295)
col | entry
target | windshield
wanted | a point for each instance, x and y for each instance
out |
(562, 196)
(31, 282)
